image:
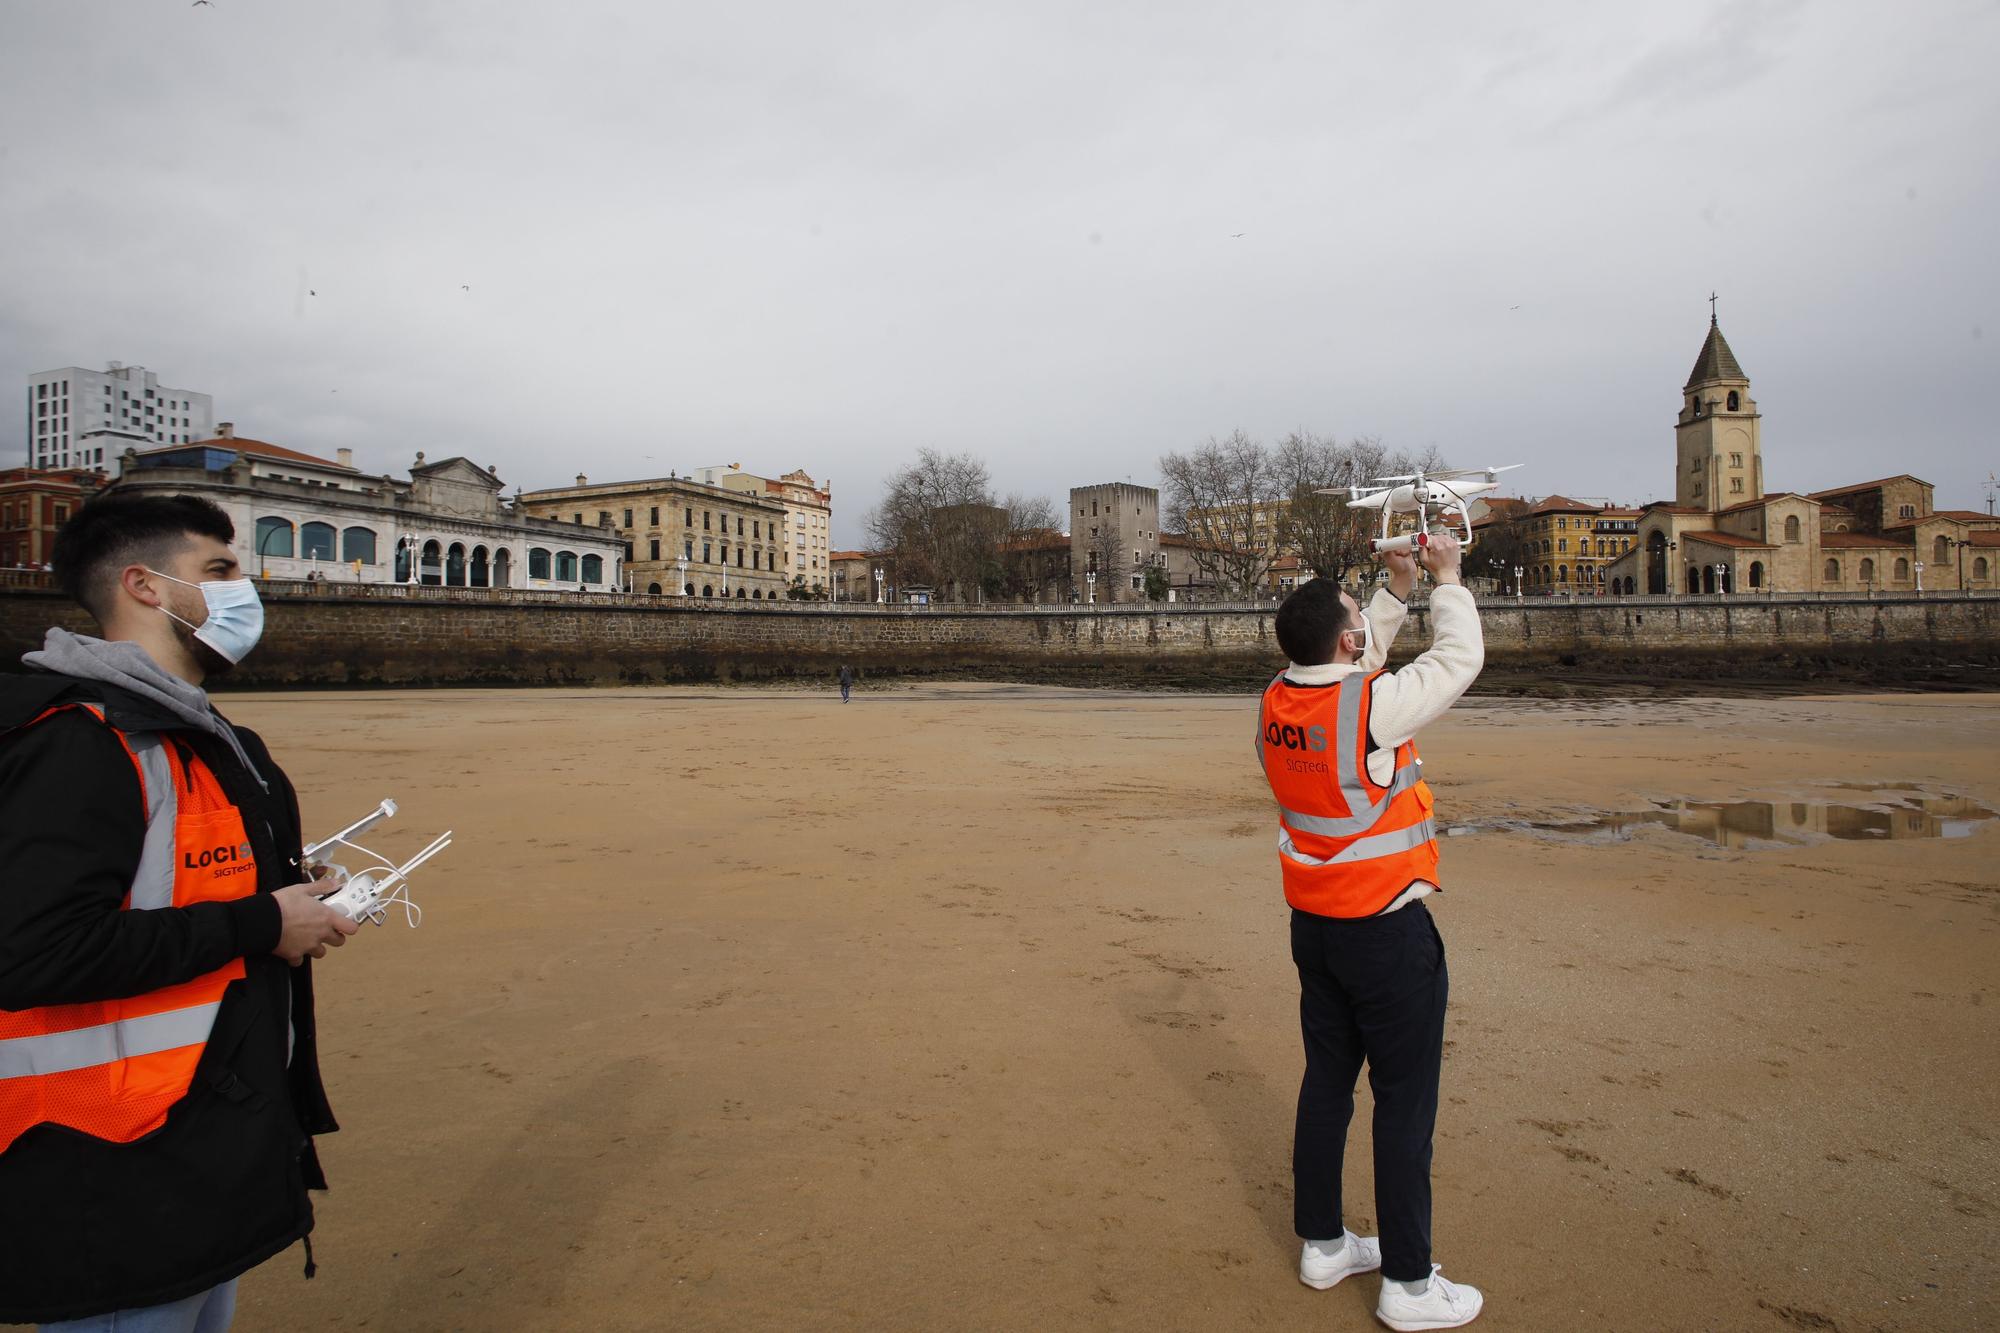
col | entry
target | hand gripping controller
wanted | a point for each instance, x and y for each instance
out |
(368, 895)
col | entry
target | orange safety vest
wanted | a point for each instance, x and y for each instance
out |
(1347, 845)
(113, 1068)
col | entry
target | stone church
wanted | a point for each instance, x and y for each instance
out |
(1723, 532)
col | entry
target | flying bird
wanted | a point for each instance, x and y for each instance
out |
(1236, 235)
(311, 292)
(462, 287)
(199, 3)
(1513, 307)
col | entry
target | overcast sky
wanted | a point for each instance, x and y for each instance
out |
(823, 236)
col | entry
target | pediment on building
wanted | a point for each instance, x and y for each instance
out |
(459, 469)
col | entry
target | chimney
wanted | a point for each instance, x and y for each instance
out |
(225, 430)
(114, 365)
(582, 480)
(345, 457)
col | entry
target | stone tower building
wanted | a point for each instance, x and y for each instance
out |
(1114, 532)
(1721, 461)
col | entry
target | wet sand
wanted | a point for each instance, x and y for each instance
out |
(970, 1007)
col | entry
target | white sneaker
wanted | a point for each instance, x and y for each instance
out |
(1443, 1304)
(1320, 1270)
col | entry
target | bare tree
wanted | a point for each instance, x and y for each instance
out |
(940, 520)
(1315, 523)
(1029, 561)
(1215, 495)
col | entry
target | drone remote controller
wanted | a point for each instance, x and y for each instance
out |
(369, 894)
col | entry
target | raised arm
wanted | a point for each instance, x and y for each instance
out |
(1406, 701)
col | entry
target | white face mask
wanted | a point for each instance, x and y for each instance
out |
(235, 615)
(1367, 632)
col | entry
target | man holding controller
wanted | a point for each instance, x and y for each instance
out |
(1358, 851)
(159, 1079)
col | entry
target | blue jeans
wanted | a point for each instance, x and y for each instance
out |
(204, 1312)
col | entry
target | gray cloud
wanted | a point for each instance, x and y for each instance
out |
(804, 235)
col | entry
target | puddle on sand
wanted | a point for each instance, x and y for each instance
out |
(1893, 814)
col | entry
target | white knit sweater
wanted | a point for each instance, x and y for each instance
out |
(1405, 702)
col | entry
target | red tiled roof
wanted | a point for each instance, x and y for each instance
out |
(244, 445)
(1986, 537)
(1563, 504)
(1964, 515)
(1766, 498)
(852, 555)
(1662, 507)
(1038, 541)
(1868, 485)
(1866, 539)
(1713, 538)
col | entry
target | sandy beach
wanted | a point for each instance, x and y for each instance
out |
(971, 1007)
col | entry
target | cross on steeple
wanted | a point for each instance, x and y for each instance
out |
(1711, 307)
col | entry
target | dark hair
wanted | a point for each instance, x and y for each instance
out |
(116, 530)
(1310, 622)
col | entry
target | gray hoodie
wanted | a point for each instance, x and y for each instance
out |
(128, 666)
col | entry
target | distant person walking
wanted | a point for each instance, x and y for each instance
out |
(159, 1081)
(1359, 853)
(846, 681)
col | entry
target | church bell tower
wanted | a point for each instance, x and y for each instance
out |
(1720, 459)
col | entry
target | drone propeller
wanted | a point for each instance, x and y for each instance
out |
(1474, 471)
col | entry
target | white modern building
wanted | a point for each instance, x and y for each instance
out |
(297, 514)
(808, 517)
(81, 418)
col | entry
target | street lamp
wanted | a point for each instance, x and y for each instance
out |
(263, 537)
(1518, 572)
(1091, 579)
(1920, 578)
(1961, 543)
(878, 585)
(1667, 575)
(682, 562)
(1721, 579)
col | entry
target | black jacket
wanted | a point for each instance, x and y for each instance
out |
(88, 1226)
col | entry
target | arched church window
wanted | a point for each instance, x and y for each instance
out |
(1756, 573)
(1694, 406)
(1732, 400)
(1941, 550)
(1902, 568)
(1833, 571)
(1791, 527)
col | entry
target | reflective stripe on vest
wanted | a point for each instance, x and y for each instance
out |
(114, 1068)
(1370, 848)
(60, 1052)
(153, 883)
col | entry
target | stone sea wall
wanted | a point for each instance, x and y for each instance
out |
(324, 635)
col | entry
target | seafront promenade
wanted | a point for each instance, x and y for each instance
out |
(333, 634)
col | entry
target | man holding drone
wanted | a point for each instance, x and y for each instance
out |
(159, 1081)
(1358, 853)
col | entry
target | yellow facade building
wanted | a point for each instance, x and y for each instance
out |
(681, 537)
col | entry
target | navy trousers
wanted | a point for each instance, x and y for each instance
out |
(1370, 989)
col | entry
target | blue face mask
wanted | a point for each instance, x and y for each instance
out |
(235, 615)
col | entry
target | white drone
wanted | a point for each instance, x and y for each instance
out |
(1419, 493)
